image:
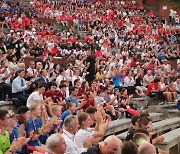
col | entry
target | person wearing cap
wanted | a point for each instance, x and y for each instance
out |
(19, 86)
(24, 115)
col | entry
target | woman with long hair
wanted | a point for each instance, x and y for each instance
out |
(84, 88)
(138, 85)
(100, 74)
(86, 133)
(34, 125)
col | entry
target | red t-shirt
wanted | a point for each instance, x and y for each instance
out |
(62, 17)
(81, 92)
(151, 14)
(54, 51)
(88, 103)
(16, 25)
(98, 53)
(141, 7)
(61, 95)
(133, 63)
(150, 66)
(51, 94)
(151, 87)
(26, 22)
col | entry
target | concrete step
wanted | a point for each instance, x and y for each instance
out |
(143, 102)
(162, 108)
(8, 105)
(173, 113)
(171, 139)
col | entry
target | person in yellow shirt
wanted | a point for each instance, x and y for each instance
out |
(170, 14)
(5, 146)
(100, 74)
(4, 136)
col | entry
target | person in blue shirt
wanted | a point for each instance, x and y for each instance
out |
(18, 129)
(14, 132)
(19, 86)
(23, 116)
(34, 125)
(70, 109)
(73, 95)
(117, 80)
(161, 55)
(56, 112)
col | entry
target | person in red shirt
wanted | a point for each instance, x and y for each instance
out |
(98, 53)
(153, 87)
(133, 62)
(89, 100)
(25, 21)
(84, 88)
(62, 92)
(151, 14)
(153, 90)
(51, 93)
(141, 7)
(16, 25)
(54, 50)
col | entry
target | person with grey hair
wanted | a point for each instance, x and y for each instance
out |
(111, 144)
(56, 144)
(71, 126)
(146, 148)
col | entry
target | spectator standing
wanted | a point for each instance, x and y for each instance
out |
(90, 67)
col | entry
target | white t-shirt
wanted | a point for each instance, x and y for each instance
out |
(33, 98)
(81, 136)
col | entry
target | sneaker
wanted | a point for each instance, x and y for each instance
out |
(161, 103)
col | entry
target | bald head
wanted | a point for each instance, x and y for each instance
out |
(146, 148)
(111, 144)
(21, 66)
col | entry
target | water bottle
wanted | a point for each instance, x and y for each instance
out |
(7, 97)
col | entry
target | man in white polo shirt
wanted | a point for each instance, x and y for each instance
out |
(71, 126)
(37, 96)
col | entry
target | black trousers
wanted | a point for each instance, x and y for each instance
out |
(157, 95)
(5, 89)
(21, 97)
(90, 77)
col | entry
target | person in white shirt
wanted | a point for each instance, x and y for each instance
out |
(129, 83)
(62, 76)
(37, 96)
(87, 133)
(148, 78)
(71, 126)
(177, 85)
(56, 144)
(69, 72)
(167, 66)
(76, 76)
(5, 76)
(31, 71)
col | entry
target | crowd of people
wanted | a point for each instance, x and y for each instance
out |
(67, 107)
